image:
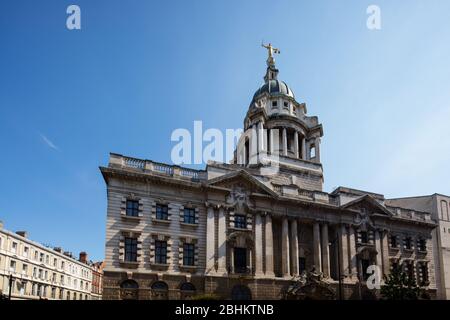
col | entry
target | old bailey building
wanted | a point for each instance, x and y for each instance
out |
(260, 227)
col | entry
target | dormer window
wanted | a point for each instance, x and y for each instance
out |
(286, 104)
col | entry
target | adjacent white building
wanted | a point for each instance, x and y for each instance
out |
(34, 271)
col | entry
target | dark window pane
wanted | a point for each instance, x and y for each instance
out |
(131, 249)
(189, 215)
(188, 254)
(162, 212)
(132, 208)
(161, 252)
(240, 221)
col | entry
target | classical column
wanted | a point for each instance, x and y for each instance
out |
(258, 245)
(343, 250)
(269, 246)
(378, 248)
(296, 152)
(316, 247)
(285, 248)
(304, 148)
(253, 145)
(285, 150)
(294, 248)
(385, 251)
(260, 137)
(222, 243)
(317, 144)
(325, 251)
(352, 248)
(210, 241)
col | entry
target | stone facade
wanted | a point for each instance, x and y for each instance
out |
(39, 272)
(251, 228)
(439, 206)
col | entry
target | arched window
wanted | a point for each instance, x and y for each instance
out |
(129, 284)
(187, 290)
(241, 292)
(129, 290)
(187, 286)
(160, 290)
(312, 151)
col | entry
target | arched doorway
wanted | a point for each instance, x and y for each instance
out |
(241, 292)
(160, 290)
(187, 291)
(129, 290)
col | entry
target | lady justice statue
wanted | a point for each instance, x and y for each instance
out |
(270, 50)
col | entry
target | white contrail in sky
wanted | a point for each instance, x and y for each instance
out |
(48, 142)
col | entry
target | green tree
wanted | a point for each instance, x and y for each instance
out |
(398, 286)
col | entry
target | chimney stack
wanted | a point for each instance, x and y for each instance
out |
(22, 234)
(58, 249)
(83, 257)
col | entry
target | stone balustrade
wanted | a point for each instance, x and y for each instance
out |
(118, 160)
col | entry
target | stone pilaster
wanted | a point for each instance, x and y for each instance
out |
(325, 251)
(352, 248)
(378, 248)
(343, 250)
(285, 150)
(210, 241)
(385, 252)
(222, 243)
(294, 248)
(258, 245)
(269, 246)
(316, 247)
(285, 247)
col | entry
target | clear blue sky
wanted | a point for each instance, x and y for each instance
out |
(140, 69)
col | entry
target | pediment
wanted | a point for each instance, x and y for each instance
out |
(241, 180)
(367, 205)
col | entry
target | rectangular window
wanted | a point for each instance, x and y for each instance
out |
(407, 243)
(53, 293)
(302, 264)
(41, 257)
(161, 252)
(189, 215)
(12, 266)
(393, 241)
(14, 247)
(55, 262)
(274, 104)
(240, 221)
(162, 212)
(35, 255)
(62, 265)
(24, 269)
(286, 104)
(26, 250)
(188, 254)
(422, 245)
(132, 208)
(364, 237)
(423, 274)
(131, 249)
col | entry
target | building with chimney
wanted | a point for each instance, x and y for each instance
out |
(260, 227)
(32, 271)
